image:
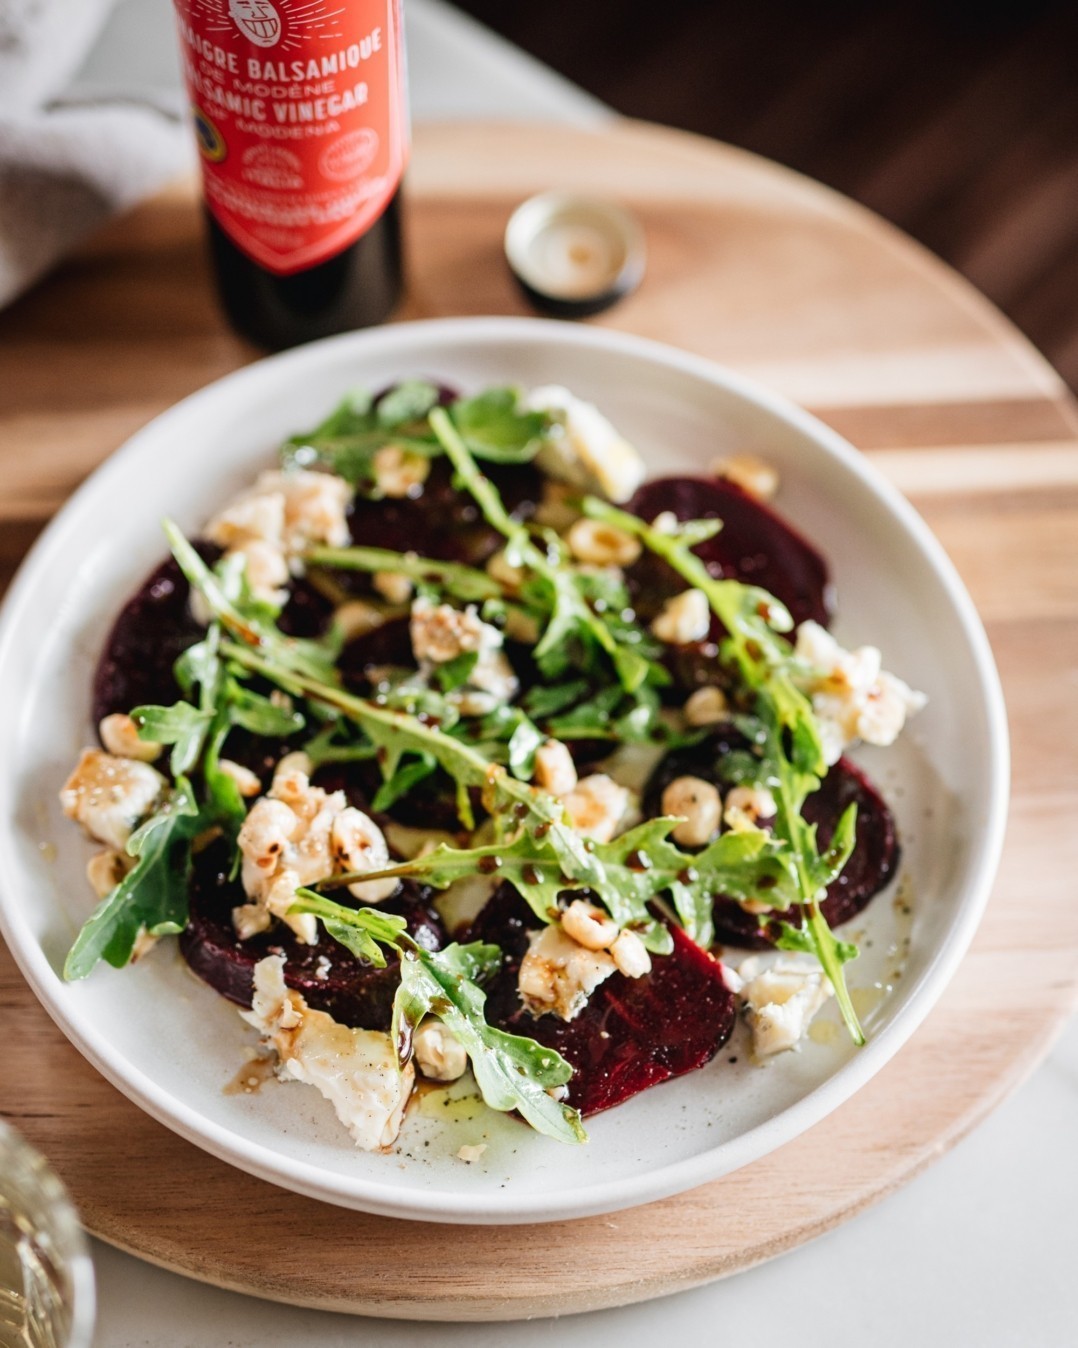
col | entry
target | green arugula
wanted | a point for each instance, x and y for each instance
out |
(790, 741)
(492, 425)
(463, 582)
(511, 1071)
(153, 894)
(573, 624)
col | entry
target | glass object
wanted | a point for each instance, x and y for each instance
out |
(46, 1277)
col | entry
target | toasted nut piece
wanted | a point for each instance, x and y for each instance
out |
(106, 869)
(745, 805)
(752, 474)
(601, 544)
(119, 734)
(245, 779)
(555, 770)
(500, 568)
(439, 1054)
(700, 806)
(356, 619)
(706, 707)
(589, 926)
(396, 588)
(521, 626)
(631, 956)
(399, 473)
(684, 618)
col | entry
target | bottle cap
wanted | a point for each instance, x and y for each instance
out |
(573, 256)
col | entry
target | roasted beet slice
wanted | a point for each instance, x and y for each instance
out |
(871, 867)
(154, 627)
(634, 1032)
(441, 521)
(754, 545)
(329, 976)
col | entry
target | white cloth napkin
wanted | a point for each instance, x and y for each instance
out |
(65, 165)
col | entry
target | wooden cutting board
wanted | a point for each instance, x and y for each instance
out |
(761, 269)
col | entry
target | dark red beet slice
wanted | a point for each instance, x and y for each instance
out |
(634, 1032)
(441, 521)
(349, 990)
(153, 628)
(754, 545)
(873, 863)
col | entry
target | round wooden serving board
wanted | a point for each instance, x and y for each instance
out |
(769, 273)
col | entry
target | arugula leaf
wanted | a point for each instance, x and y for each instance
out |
(406, 402)
(402, 781)
(455, 673)
(464, 582)
(152, 896)
(788, 739)
(493, 427)
(181, 725)
(572, 620)
(512, 1072)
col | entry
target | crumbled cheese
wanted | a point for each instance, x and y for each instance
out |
(441, 633)
(596, 806)
(119, 734)
(684, 618)
(782, 999)
(355, 1070)
(585, 449)
(852, 697)
(272, 523)
(559, 975)
(589, 926)
(299, 834)
(108, 796)
(439, 1054)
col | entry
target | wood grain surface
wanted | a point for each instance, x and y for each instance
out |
(750, 265)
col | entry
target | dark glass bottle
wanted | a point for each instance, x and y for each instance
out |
(357, 288)
(300, 119)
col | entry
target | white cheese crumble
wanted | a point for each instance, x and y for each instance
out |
(355, 1070)
(684, 618)
(559, 975)
(298, 834)
(109, 795)
(272, 523)
(781, 997)
(441, 633)
(853, 697)
(585, 449)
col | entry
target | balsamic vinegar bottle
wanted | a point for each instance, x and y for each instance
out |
(300, 117)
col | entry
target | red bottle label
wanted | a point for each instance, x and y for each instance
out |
(299, 113)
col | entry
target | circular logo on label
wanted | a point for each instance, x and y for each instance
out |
(272, 166)
(211, 144)
(257, 20)
(349, 155)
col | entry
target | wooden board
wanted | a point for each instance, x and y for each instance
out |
(765, 271)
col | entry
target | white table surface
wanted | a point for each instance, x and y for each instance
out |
(980, 1250)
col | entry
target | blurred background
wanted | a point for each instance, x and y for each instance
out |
(957, 121)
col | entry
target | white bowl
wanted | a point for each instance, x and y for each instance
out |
(172, 1045)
